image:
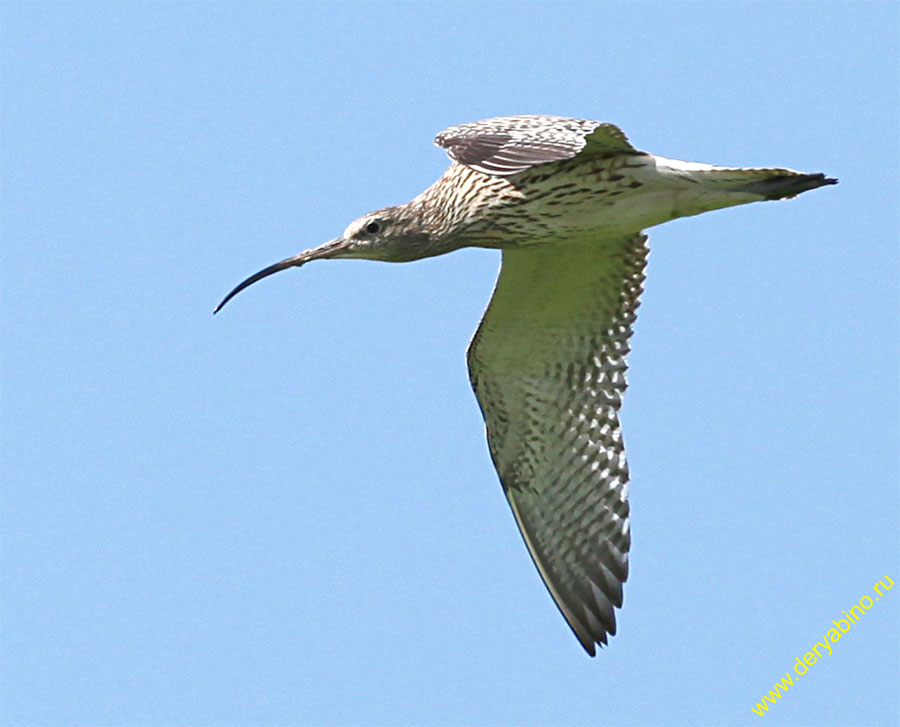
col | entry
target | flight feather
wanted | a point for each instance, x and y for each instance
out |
(548, 368)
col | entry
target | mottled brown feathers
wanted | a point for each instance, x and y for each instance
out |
(508, 145)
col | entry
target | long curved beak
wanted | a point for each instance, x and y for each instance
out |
(329, 249)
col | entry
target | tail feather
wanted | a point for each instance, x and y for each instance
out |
(784, 184)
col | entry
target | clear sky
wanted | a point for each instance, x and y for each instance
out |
(286, 514)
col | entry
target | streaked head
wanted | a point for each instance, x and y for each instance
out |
(392, 234)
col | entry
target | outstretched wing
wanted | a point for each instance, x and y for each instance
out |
(548, 367)
(510, 144)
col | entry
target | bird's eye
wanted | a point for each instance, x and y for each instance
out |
(373, 227)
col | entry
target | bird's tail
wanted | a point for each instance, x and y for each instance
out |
(761, 182)
(777, 183)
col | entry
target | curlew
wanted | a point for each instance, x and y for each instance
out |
(566, 201)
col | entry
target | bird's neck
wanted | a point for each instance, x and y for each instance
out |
(455, 210)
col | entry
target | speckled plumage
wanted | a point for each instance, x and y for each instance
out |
(566, 200)
(548, 367)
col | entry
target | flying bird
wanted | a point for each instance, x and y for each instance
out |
(566, 201)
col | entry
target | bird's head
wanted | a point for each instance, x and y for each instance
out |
(392, 234)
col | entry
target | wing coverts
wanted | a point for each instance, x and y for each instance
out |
(511, 144)
(548, 368)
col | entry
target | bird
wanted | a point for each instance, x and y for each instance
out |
(566, 201)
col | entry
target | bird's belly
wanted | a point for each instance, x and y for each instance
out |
(599, 213)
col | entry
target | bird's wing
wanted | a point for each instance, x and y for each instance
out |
(548, 367)
(511, 144)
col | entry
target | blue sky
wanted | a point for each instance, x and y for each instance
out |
(286, 514)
